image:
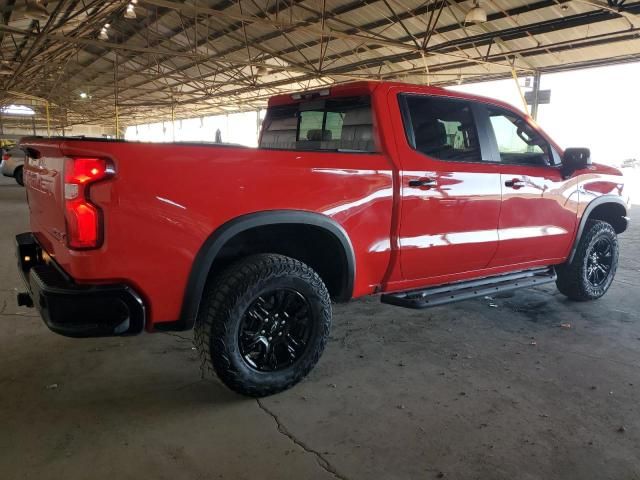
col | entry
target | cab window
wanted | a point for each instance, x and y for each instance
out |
(441, 128)
(340, 124)
(518, 142)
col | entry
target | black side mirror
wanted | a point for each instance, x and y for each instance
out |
(575, 159)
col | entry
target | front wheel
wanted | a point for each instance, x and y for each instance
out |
(263, 324)
(589, 275)
(18, 175)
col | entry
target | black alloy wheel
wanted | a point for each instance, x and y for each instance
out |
(599, 262)
(593, 267)
(263, 323)
(275, 330)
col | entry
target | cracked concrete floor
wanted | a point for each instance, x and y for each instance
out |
(467, 391)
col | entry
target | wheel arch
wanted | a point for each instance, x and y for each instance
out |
(609, 208)
(223, 236)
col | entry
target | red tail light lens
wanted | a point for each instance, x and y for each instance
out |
(6, 156)
(83, 218)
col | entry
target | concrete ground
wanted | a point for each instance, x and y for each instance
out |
(525, 386)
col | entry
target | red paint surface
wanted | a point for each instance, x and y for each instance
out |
(165, 200)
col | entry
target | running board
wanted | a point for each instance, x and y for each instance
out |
(455, 292)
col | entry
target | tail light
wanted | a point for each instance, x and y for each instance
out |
(83, 218)
(6, 157)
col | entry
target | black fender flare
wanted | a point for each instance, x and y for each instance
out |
(585, 216)
(215, 242)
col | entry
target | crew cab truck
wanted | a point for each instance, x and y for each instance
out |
(420, 194)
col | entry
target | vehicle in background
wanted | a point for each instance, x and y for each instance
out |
(630, 163)
(423, 195)
(12, 165)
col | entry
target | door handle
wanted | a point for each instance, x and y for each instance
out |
(515, 183)
(425, 183)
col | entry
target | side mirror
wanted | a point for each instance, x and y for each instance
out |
(575, 159)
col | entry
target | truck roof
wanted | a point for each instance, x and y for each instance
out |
(367, 87)
(346, 89)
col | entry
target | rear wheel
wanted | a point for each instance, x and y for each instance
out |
(17, 174)
(590, 274)
(263, 324)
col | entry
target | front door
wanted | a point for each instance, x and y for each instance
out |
(538, 215)
(450, 188)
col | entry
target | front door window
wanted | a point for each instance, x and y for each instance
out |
(518, 143)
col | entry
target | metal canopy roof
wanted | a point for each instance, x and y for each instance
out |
(198, 57)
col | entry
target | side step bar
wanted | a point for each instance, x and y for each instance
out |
(455, 292)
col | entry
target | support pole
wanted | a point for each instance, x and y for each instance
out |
(46, 106)
(173, 121)
(524, 101)
(258, 124)
(536, 95)
(115, 95)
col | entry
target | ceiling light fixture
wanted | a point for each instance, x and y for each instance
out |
(84, 95)
(476, 15)
(35, 10)
(130, 12)
(104, 34)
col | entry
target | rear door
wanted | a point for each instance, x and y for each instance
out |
(538, 214)
(450, 188)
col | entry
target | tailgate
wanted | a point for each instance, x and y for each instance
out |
(44, 181)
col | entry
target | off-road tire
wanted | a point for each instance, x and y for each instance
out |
(18, 176)
(572, 278)
(226, 298)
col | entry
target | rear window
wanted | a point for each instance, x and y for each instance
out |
(341, 124)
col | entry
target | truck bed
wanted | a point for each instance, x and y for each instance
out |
(165, 200)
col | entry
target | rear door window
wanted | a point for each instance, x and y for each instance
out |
(340, 124)
(442, 128)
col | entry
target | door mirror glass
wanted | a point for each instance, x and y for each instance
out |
(575, 159)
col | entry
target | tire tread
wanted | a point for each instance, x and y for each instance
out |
(571, 281)
(223, 293)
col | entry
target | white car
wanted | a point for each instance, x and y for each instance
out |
(12, 164)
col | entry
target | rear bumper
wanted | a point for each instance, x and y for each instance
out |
(71, 309)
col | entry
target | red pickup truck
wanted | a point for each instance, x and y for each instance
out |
(423, 195)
